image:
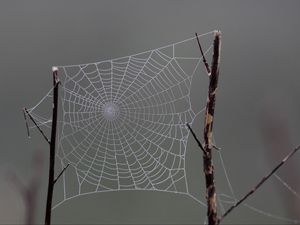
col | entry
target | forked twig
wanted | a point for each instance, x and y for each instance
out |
(35, 123)
(263, 180)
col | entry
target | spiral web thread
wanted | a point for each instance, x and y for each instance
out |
(124, 121)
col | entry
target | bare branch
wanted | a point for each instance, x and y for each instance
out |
(203, 57)
(208, 167)
(61, 173)
(196, 139)
(52, 147)
(37, 126)
(263, 180)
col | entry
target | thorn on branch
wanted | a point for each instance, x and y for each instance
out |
(196, 139)
(61, 173)
(203, 57)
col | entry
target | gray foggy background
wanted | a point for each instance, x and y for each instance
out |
(257, 114)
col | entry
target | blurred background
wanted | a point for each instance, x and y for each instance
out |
(257, 114)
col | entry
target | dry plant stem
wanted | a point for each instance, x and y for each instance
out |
(37, 126)
(208, 167)
(209, 116)
(52, 148)
(263, 180)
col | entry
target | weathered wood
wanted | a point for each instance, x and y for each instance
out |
(208, 167)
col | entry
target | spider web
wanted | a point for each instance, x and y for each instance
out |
(123, 124)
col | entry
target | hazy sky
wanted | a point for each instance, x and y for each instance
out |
(257, 113)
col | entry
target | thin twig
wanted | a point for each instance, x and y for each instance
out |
(37, 126)
(196, 139)
(203, 57)
(61, 173)
(263, 180)
(52, 147)
(25, 118)
(198, 142)
(208, 167)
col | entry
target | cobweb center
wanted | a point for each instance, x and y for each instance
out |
(111, 111)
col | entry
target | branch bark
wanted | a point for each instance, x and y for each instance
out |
(208, 167)
(52, 148)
